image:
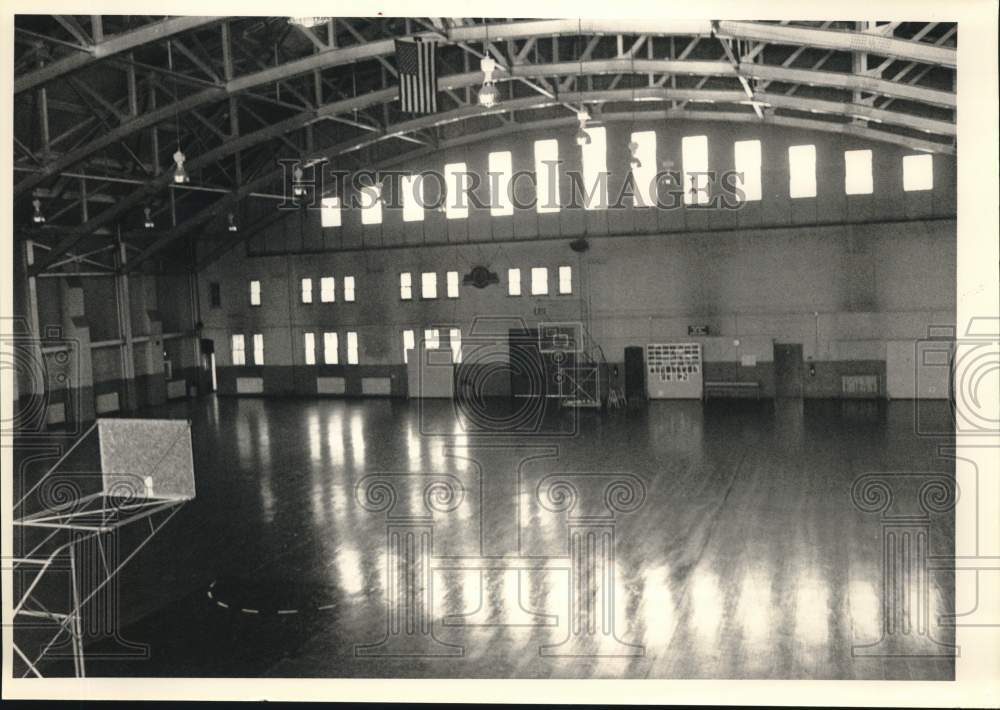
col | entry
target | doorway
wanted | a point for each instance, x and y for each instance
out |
(206, 377)
(787, 370)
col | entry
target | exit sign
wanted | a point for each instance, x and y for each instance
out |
(697, 330)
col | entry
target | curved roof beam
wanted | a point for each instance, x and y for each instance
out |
(849, 82)
(113, 45)
(839, 40)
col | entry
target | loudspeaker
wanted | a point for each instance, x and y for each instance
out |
(635, 373)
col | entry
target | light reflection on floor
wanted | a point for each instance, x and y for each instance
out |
(745, 559)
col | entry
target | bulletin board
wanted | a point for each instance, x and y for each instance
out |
(674, 371)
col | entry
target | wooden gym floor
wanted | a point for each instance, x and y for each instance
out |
(730, 546)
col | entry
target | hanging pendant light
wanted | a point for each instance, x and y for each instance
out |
(298, 188)
(582, 137)
(633, 149)
(488, 94)
(148, 222)
(180, 174)
(231, 219)
(37, 217)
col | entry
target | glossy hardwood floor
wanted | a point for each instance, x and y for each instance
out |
(381, 538)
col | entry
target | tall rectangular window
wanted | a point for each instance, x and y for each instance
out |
(452, 278)
(565, 279)
(307, 290)
(858, 172)
(432, 339)
(412, 187)
(455, 340)
(918, 172)
(215, 294)
(644, 168)
(406, 286)
(428, 285)
(802, 171)
(513, 282)
(746, 161)
(330, 347)
(258, 349)
(546, 176)
(327, 289)
(501, 166)
(309, 346)
(238, 347)
(409, 343)
(371, 204)
(694, 162)
(255, 293)
(539, 281)
(349, 289)
(456, 180)
(595, 169)
(352, 348)
(329, 213)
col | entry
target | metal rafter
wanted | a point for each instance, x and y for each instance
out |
(111, 46)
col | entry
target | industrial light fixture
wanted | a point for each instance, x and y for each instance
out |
(180, 174)
(231, 219)
(308, 21)
(488, 95)
(633, 149)
(582, 137)
(298, 188)
(148, 222)
(38, 217)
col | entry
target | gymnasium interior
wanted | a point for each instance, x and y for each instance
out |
(653, 379)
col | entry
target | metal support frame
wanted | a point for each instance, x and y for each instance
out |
(237, 90)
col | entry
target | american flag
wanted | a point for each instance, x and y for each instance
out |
(417, 75)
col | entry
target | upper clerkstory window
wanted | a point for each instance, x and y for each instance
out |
(746, 159)
(330, 212)
(456, 180)
(858, 172)
(500, 169)
(918, 172)
(802, 171)
(547, 176)
(412, 188)
(643, 165)
(371, 204)
(595, 169)
(694, 163)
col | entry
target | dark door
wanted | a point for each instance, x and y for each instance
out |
(787, 370)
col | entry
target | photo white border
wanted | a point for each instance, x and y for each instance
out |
(977, 668)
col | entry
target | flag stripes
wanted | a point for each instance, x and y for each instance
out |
(415, 60)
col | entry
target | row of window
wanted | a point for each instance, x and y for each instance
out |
(539, 283)
(331, 346)
(327, 290)
(918, 174)
(428, 285)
